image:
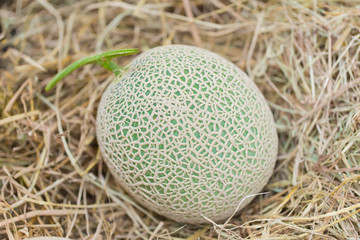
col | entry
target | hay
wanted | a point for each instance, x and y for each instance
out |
(303, 55)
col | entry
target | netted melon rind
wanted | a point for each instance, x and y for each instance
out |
(187, 134)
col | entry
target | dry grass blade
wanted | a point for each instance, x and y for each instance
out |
(304, 56)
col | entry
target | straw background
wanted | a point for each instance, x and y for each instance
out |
(303, 55)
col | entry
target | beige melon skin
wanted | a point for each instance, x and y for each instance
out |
(187, 134)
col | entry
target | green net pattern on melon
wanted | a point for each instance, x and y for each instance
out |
(187, 134)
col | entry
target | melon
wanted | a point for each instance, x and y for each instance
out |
(187, 134)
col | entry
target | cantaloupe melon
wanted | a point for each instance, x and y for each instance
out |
(187, 134)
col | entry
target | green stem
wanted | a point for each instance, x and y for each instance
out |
(103, 59)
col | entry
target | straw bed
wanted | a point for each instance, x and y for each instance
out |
(303, 55)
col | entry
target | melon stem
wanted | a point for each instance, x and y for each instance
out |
(103, 59)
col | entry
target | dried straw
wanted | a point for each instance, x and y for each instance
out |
(303, 55)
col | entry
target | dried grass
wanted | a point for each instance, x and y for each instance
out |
(304, 56)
